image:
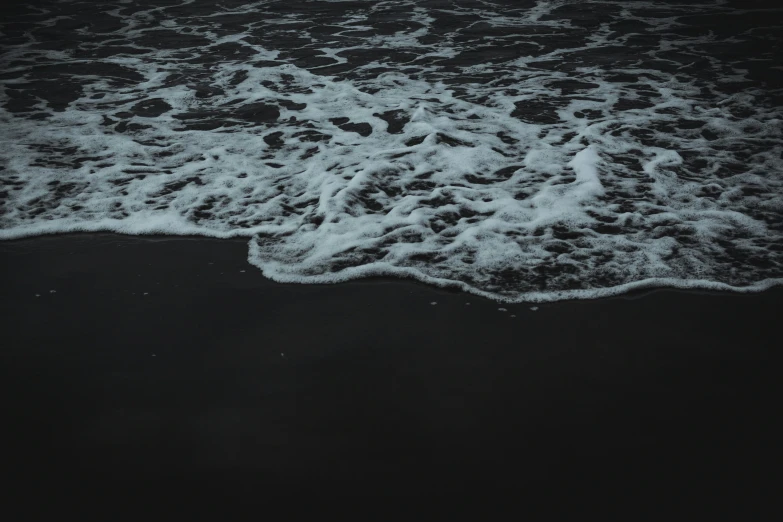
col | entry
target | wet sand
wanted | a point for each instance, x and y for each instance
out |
(138, 363)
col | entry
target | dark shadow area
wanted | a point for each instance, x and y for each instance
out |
(137, 365)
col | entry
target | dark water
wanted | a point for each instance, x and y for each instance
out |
(525, 151)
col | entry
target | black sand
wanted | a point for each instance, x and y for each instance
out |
(159, 362)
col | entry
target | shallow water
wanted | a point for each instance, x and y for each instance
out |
(525, 150)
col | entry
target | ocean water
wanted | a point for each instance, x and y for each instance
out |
(529, 150)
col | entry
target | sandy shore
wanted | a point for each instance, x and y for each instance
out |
(138, 361)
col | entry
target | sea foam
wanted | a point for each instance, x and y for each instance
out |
(532, 151)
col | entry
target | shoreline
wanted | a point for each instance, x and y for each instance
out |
(643, 286)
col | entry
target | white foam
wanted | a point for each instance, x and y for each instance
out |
(573, 196)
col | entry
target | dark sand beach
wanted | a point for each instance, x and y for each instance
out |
(146, 364)
(512, 146)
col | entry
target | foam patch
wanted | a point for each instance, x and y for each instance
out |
(523, 151)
